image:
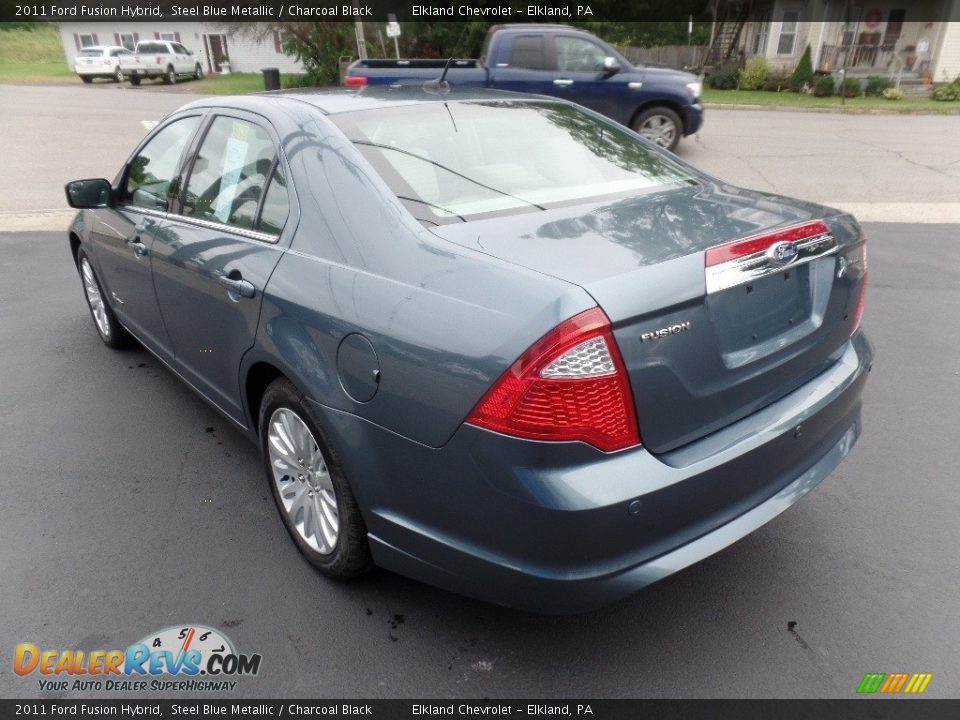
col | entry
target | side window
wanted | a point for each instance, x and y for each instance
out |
(180, 49)
(153, 169)
(276, 205)
(529, 51)
(230, 173)
(578, 55)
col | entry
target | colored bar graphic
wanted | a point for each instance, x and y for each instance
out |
(894, 683)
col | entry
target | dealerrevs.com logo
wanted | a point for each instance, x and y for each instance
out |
(181, 659)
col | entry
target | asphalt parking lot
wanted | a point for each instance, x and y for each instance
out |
(129, 506)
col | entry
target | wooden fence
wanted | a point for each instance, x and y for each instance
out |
(678, 56)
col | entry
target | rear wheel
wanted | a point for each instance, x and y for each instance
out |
(660, 125)
(111, 332)
(87, 79)
(308, 484)
(134, 79)
(118, 74)
(198, 72)
(170, 77)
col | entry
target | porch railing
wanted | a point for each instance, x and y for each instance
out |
(857, 57)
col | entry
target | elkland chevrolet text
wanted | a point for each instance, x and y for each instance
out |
(494, 342)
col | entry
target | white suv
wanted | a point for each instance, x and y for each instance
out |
(101, 61)
(161, 59)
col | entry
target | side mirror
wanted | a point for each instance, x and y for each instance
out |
(88, 194)
(611, 65)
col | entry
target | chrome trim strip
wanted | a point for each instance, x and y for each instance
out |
(252, 234)
(742, 270)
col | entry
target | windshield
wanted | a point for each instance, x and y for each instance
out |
(455, 161)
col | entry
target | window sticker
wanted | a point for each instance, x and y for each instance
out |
(233, 160)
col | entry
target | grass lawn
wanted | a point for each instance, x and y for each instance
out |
(39, 43)
(35, 73)
(232, 84)
(790, 99)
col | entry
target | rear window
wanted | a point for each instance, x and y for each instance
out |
(455, 161)
(151, 47)
(91, 53)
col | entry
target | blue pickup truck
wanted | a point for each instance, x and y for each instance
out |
(660, 103)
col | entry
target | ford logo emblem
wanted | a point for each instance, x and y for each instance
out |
(782, 253)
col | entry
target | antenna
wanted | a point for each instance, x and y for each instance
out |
(440, 84)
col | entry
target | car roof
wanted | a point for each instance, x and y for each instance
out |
(102, 47)
(332, 101)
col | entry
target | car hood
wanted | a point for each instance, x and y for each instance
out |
(585, 244)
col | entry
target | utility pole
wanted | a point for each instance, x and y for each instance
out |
(358, 31)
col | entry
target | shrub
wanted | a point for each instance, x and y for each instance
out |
(876, 84)
(851, 87)
(947, 93)
(776, 81)
(754, 73)
(893, 93)
(289, 82)
(824, 86)
(724, 76)
(803, 74)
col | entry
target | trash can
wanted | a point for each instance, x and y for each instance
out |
(271, 79)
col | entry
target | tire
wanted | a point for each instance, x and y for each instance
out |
(118, 75)
(108, 327)
(86, 79)
(198, 72)
(660, 125)
(170, 76)
(312, 493)
(135, 80)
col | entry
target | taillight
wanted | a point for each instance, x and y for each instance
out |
(355, 81)
(570, 385)
(862, 290)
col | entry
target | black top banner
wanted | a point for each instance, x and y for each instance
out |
(894, 709)
(232, 11)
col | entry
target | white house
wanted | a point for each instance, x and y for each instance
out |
(919, 38)
(209, 41)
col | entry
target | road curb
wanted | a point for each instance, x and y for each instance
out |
(834, 110)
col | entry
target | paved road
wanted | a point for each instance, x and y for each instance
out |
(128, 506)
(883, 167)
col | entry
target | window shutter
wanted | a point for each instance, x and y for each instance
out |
(76, 39)
(116, 39)
(156, 36)
(95, 41)
(136, 38)
(176, 36)
(276, 41)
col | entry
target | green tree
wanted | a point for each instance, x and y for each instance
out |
(804, 72)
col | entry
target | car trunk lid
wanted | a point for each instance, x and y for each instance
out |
(711, 326)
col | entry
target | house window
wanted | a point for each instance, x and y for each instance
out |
(758, 45)
(128, 41)
(788, 32)
(171, 37)
(87, 40)
(850, 26)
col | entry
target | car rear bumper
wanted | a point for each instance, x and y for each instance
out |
(95, 70)
(561, 528)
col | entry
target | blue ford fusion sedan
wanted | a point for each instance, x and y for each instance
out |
(490, 341)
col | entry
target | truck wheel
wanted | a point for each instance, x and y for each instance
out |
(170, 77)
(198, 72)
(118, 74)
(87, 79)
(660, 125)
(134, 79)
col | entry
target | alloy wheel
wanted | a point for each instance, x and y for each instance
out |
(303, 482)
(95, 298)
(660, 129)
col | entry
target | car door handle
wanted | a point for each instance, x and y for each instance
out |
(562, 82)
(139, 249)
(239, 286)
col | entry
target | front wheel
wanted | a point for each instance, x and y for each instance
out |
(198, 72)
(170, 77)
(660, 125)
(118, 75)
(309, 486)
(111, 332)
